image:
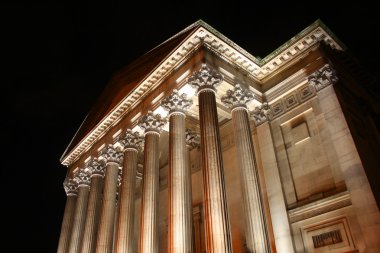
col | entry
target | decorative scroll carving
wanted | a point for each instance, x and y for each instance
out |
(152, 122)
(205, 79)
(96, 167)
(323, 77)
(176, 102)
(261, 113)
(131, 140)
(192, 139)
(238, 97)
(111, 154)
(70, 186)
(83, 177)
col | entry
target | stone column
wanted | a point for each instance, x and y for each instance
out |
(131, 142)
(93, 208)
(71, 192)
(255, 228)
(179, 238)
(82, 178)
(113, 159)
(152, 125)
(215, 204)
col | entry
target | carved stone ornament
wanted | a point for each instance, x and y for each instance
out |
(111, 154)
(83, 177)
(70, 186)
(152, 122)
(192, 139)
(238, 97)
(323, 77)
(176, 102)
(96, 167)
(119, 177)
(132, 140)
(205, 79)
(261, 113)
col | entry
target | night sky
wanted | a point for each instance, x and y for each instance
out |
(57, 58)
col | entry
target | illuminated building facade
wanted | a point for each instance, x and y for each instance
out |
(198, 146)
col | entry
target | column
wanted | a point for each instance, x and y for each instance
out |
(214, 193)
(131, 142)
(93, 208)
(152, 125)
(71, 192)
(255, 228)
(179, 237)
(82, 178)
(113, 159)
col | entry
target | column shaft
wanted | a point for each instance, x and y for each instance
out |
(215, 205)
(104, 242)
(93, 213)
(79, 219)
(179, 213)
(149, 200)
(256, 235)
(124, 238)
(67, 223)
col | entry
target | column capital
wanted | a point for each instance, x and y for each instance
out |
(323, 77)
(176, 103)
(111, 155)
(96, 167)
(237, 98)
(205, 79)
(261, 113)
(83, 177)
(192, 139)
(70, 186)
(152, 123)
(131, 140)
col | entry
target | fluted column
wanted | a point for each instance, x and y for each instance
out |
(152, 125)
(93, 208)
(255, 228)
(215, 203)
(113, 159)
(67, 222)
(179, 238)
(82, 178)
(131, 142)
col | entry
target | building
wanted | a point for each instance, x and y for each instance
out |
(260, 155)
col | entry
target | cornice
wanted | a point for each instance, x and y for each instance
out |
(205, 35)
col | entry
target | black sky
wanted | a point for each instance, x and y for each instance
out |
(57, 58)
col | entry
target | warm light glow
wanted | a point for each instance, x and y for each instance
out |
(179, 79)
(116, 134)
(298, 142)
(138, 129)
(304, 112)
(160, 110)
(101, 147)
(157, 98)
(188, 90)
(136, 117)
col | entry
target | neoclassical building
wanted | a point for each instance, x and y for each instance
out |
(198, 146)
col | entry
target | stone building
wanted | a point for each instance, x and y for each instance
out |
(198, 146)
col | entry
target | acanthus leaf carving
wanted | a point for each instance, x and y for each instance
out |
(83, 177)
(261, 113)
(176, 102)
(152, 122)
(323, 77)
(205, 79)
(70, 186)
(238, 97)
(111, 154)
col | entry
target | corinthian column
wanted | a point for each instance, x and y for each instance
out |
(82, 178)
(179, 238)
(71, 192)
(152, 125)
(255, 229)
(113, 159)
(131, 142)
(214, 193)
(93, 208)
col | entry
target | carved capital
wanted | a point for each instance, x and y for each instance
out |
(323, 77)
(205, 79)
(192, 139)
(83, 177)
(70, 186)
(96, 167)
(238, 97)
(111, 155)
(176, 103)
(131, 140)
(261, 113)
(152, 123)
